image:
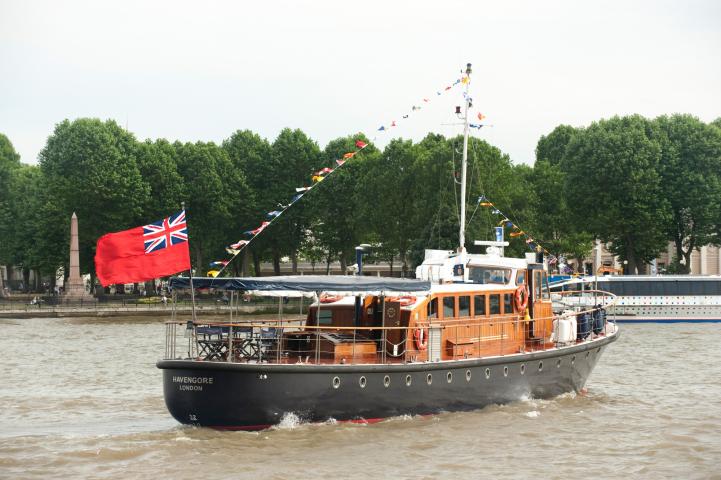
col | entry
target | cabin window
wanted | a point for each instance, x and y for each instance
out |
(489, 275)
(537, 284)
(325, 317)
(464, 306)
(479, 305)
(507, 303)
(494, 304)
(433, 308)
(449, 307)
(546, 293)
(521, 277)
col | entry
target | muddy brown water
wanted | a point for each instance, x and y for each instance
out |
(81, 398)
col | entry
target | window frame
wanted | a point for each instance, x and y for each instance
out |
(468, 307)
(490, 304)
(432, 302)
(445, 306)
(485, 305)
(508, 301)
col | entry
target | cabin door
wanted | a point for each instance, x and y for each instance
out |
(394, 336)
(534, 291)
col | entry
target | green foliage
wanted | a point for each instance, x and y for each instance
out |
(90, 168)
(294, 158)
(251, 154)
(9, 164)
(629, 181)
(158, 166)
(214, 194)
(551, 148)
(691, 180)
(613, 187)
(338, 224)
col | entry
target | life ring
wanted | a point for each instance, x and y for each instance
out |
(329, 298)
(404, 301)
(521, 298)
(421, 338)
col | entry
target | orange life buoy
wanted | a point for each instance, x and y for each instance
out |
(421, 338)
(521, 298)
(404, 301)
(329, 298)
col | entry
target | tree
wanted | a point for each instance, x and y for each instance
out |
(552, 225)
(338, 222)
(551, 148)
(432, 207)
(390, 198)
(614, 187)
(159, 170)
(691, 181)
(90, 168)
(9, 163)
(294, 158)
(36, 229)
(251, 154)
(213, 191)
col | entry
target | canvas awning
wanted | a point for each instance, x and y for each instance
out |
(307, 285)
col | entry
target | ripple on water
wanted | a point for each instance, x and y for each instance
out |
(84, 399)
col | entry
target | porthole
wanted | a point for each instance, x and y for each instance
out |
(409, 380)
(429, 379)
(468, 375)
(488, 373)
(558, 363)
(336, 382)
(386, 381)
(573, 360)
(588, 354)
(505, 371)
(449, 377)
(540, 366)
(362, 382)
(523, 368)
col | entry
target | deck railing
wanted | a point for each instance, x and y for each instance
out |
(292, 341)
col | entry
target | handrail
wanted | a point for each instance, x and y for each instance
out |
(294, 341)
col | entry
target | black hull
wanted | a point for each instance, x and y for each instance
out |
(256, 396)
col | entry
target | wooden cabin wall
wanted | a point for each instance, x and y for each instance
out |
(343, 315)
(474, 335)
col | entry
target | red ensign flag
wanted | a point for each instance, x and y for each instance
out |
(143, 253)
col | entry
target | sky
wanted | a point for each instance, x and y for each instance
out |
(198, 71)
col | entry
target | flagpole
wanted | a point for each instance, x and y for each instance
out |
(462, 229)
(190, 272)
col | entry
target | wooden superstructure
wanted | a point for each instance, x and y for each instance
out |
(453, 321)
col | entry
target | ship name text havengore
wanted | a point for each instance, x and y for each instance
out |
(192, 383)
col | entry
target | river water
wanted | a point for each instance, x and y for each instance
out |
(81, 398)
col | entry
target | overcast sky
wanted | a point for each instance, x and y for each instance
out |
(200, 70)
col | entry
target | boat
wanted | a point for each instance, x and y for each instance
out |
(646, 298)
(470, 331)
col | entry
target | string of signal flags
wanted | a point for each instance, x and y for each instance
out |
(218, 267)
(516, 231)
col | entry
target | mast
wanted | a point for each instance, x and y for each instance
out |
(467, 104)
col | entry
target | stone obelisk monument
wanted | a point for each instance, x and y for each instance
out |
(75, 287)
